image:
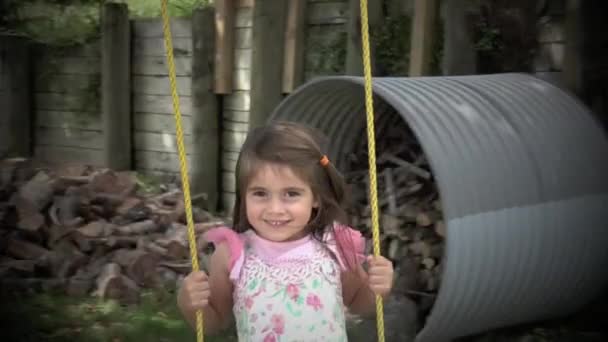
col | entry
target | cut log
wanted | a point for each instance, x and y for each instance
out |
(139, 265)
(112, 284)
(24, 250)
(30, 218)
(137, 228)
(38, 191)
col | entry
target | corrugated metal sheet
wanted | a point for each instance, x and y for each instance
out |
(522, 170)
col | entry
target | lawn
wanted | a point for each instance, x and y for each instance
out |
(55, 318)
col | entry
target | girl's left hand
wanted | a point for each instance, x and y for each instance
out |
(380, 275)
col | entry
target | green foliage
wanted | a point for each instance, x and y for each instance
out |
(175, 8)
(64, 23)
(392, 45)
(327, 57)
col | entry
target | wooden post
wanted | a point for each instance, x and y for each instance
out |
(423, 36)
(572, 67)
(293, 64)
(116, 85)
(459, 55)
(16, 89)
(205, 113)
(224, 48)
(267, 59)
(354, 58)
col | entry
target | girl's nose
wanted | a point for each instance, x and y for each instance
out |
(276, 205)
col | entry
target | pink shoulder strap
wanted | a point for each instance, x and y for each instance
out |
(348, 245)
(235, 243)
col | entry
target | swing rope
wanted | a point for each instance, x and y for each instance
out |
(369, 106)
(371, 152)
(183, 164)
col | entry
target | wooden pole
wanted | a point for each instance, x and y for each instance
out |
(293, 64)
(16, 89)
(116, 86)
(205, 114)
(267, 59)
(224, 48)
(459, 55)
(423, 37)
(354, 60)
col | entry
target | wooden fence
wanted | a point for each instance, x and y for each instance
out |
(109, 103)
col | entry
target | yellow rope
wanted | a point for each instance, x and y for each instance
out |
(371, 146)
(183, 166)
(369, 105)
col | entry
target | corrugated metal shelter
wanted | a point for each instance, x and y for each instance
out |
(522, 170)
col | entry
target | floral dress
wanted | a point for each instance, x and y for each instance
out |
(285, 291)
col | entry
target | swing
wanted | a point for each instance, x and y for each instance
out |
(371, 152)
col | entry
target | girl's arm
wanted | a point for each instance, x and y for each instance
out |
(357, 294)
(359, 288)
(218, 313)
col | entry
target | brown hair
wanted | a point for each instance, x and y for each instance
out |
(298, 147)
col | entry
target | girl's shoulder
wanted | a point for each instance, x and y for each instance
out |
(347, 244)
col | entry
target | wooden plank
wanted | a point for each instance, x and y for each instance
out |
(267, 58)
(153, 28)
(293, 62)
(88, 49)
(63, 155)
(157, 66)
(156, 47)
(224, 45)
(242, 58)
(160, 85)
(243, 38)
(67, 83)
(242, 79)
(238, 100)
(423, 37)
(69, 137)
(83, 101)
(160, 104)
(69, 120)
(159, 161)
(244, 17)
(160, 123)
(322, 13)
(160, 142)
(68, 65)
(236, 115)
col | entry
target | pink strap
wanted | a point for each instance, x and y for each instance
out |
(235, 246)
(348, 245)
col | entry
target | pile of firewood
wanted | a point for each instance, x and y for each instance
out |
(84, 231)
(412, 228)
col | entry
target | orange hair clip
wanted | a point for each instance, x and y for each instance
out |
(324, 161)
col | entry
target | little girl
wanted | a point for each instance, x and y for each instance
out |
(289, 266)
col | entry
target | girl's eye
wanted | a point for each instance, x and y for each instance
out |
(293, 194)
(259, 193)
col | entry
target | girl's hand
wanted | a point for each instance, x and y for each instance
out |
(380, 275)
(194, 293)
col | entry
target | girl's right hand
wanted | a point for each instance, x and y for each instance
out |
(194, 293)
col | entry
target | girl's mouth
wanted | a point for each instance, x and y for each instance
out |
(276, 223)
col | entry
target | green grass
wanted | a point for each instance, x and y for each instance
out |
(56, 318)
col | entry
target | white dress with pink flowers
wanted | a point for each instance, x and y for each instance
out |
(287, 291)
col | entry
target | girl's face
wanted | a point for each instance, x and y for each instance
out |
(279, 203)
